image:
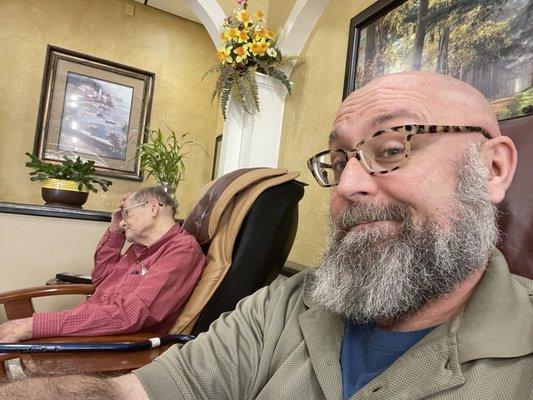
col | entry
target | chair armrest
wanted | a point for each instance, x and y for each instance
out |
(18, 303)
(42, 291)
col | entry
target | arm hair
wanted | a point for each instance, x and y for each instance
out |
(73, 387)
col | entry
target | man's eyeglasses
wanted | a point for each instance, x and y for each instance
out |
(383, 152)
(124, 211)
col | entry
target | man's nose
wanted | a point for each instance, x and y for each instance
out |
(355, 182)
(122, 223)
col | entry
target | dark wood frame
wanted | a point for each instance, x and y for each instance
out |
(57, 212)
(216, 155)
(53, 54)
(360, 21)
(369, 15)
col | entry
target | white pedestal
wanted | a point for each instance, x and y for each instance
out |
(254, 140)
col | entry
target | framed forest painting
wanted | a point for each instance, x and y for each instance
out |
(486, 43)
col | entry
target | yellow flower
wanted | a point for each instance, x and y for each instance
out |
(232, 34)
(224, 55)
(259, 47)
(259, 15)
(260, 32)
(271, 34)
(242, 53)
(243, 16)
(243, 35)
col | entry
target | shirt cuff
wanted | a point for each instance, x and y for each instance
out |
(47, 324)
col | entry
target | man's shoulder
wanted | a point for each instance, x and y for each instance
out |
(289, 293)
(526, 283)
(180, 237)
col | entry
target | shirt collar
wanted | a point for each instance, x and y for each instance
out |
(497, 321)
(140, 249)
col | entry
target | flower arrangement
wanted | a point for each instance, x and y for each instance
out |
(247, 46)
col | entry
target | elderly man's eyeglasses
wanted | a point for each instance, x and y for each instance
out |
(383, 152)
(124, 211)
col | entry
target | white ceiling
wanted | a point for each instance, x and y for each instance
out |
(176, 7)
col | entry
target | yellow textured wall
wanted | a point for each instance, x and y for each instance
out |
(309, 113)
(278, 11)
(177, 50)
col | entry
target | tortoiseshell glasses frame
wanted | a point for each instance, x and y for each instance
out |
(385, 151)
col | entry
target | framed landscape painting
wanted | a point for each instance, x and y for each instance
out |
(94, 109)
(486, 43)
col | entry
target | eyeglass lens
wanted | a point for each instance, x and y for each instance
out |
(380, 153)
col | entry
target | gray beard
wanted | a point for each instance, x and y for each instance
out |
(370, 275)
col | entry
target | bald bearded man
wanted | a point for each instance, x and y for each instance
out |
(411, 300)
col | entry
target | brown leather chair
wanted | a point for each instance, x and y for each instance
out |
(516, 218)
(246, 222)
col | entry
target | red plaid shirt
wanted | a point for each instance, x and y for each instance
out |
(145, 288)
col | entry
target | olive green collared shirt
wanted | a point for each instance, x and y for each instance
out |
(277, 345)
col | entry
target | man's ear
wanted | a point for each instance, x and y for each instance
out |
(154, 207)
(501, 157)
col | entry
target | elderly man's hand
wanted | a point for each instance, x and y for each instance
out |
(116, 216)
(15, 330)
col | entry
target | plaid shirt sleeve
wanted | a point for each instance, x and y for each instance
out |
(107, 254)
(145, 299)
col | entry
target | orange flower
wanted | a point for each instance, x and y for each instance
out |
(260, 32)
(224, 55)
(258, 48)
(243, 16)
(243, 36)
(242, 53)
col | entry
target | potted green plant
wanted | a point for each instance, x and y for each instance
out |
(66, 183)
(163, 157)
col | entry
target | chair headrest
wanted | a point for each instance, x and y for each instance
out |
(516, 217)
(202, 221)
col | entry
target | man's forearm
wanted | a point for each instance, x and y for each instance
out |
(74, 387)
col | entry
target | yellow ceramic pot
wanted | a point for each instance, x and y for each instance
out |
(63, 193)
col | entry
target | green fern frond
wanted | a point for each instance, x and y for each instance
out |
(280, 75)
(239, 93)
(224, 100)
(263, 66)
(213, 69)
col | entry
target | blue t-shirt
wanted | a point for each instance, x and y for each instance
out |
(367, 351)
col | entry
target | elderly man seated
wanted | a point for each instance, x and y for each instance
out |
(144, 288)
(411, 300)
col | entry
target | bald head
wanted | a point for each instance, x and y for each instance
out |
(419, 98)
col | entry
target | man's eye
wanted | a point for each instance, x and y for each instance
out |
(338, 165)
(392, 151)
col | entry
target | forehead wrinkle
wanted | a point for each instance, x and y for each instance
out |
(362, 105)
(376, 113)
(379, 119)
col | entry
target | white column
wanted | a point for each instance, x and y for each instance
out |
(211, 15)
(253, 140)
(299, 25)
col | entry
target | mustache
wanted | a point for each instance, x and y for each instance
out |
(358, 213)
